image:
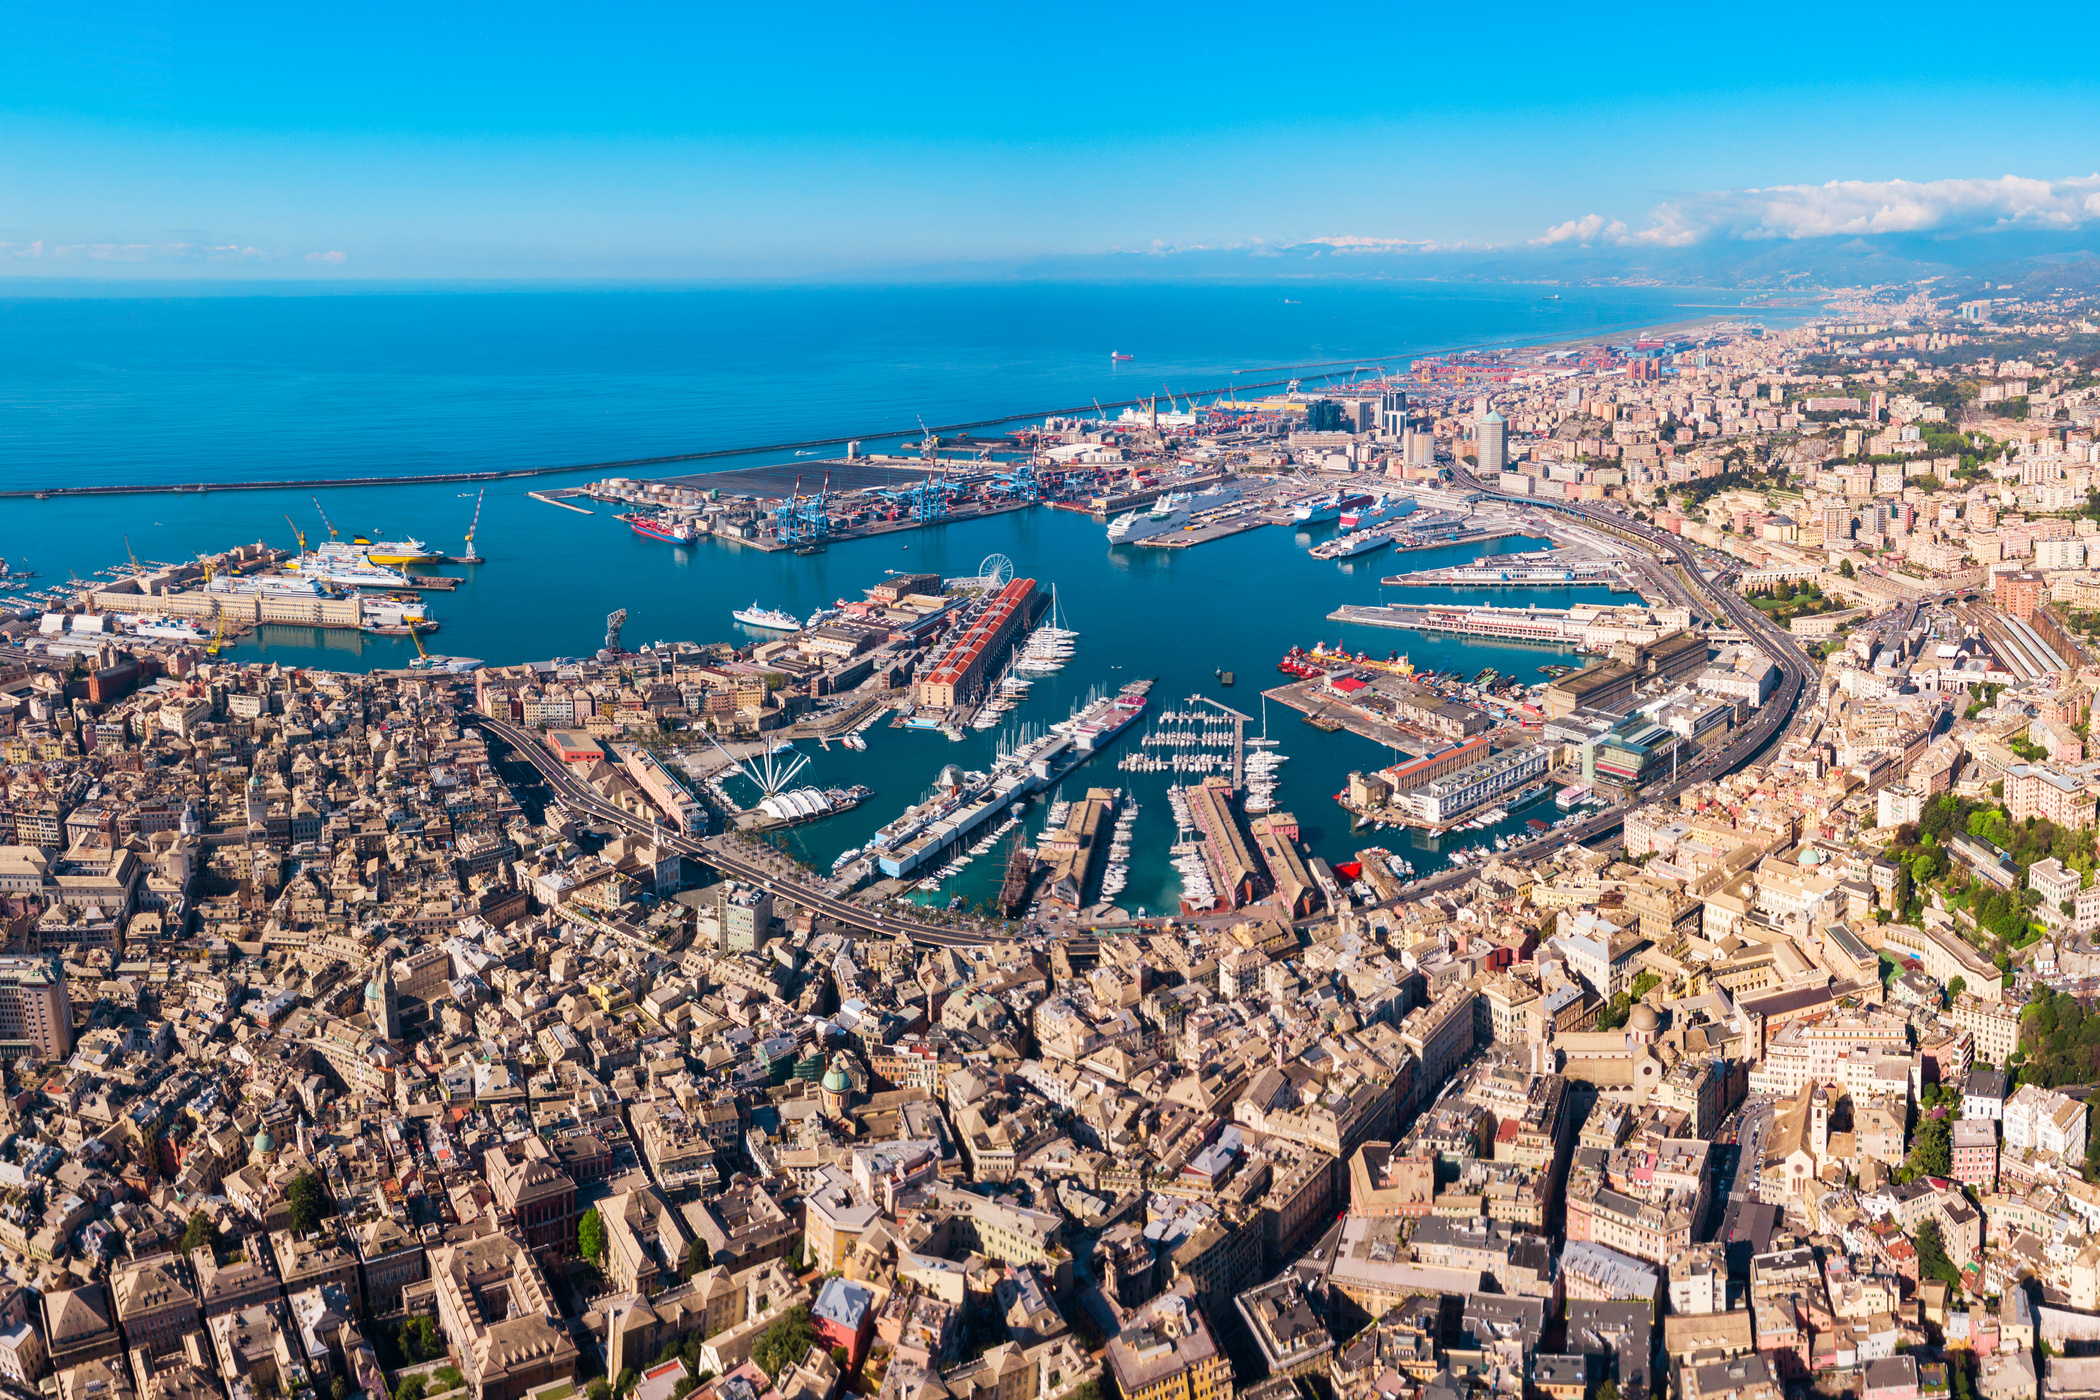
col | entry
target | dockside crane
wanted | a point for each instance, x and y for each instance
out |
(470, 557)
(324, 518)
(136, 571)
(297, 533)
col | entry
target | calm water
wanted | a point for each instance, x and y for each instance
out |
(267, 386)
(115, 389)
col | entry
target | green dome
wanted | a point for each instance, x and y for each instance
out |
(263, 1141)
(836, 1080)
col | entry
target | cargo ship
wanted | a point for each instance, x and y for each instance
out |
(658, 527)
(770, 619)
(1376, 511)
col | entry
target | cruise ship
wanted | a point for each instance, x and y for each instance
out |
(771, 619)
(345, 566)
(1376, 511)
(1169, 513)
(170, 628)
(402, 551)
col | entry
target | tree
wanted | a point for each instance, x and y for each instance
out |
(842, 1359)
(786, 1340)
(1608, 1391)
(339, 1388)
(628, 1381)
(410, 1389)
(1932, 1255)
(447, 1377)
(1956, 985)
(1931, 1148)
(417, 1339)
(590, 1235)
(599, 1389)
(1845, 568)
(309, 1203)
(199, 1232)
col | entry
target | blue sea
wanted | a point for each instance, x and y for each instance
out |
(172, 386)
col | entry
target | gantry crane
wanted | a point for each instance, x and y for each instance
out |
(324, 518)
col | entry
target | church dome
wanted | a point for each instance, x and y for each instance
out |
(836, 1080)
(1644, 1019)
(264, 1143)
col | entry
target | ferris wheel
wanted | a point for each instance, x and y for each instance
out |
(996, 571)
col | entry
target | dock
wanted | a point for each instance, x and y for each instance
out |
(1540, 568)
(1208, 531)
(1548, 626)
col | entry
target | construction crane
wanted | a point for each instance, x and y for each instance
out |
(417, 638)
(136, 571)
(297, 533)
(206, 562)
(470, 556)
(219, 639)
(324, 517)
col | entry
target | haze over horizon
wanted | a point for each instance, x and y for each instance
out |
(668, 143)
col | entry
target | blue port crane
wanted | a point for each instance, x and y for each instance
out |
(805, 519)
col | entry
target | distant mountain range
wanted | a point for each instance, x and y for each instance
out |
(2016, 262)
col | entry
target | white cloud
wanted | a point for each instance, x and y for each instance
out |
(1358, 243)
(1851, 207)
(52, 254)
(1587, 229)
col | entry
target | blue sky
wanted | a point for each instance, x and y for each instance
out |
(520, 141)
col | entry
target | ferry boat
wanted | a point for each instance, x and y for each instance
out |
(345, 566)
(403, 551)
(1118, 355)
(658, 527)
(271, 585)
(1327, 509)
(1376, 511)
(770, 619)
(1168, 514)
(1348, 546)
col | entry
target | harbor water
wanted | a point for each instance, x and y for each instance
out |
(116, 399)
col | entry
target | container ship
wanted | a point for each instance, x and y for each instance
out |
(659, 527)
(770, 619)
